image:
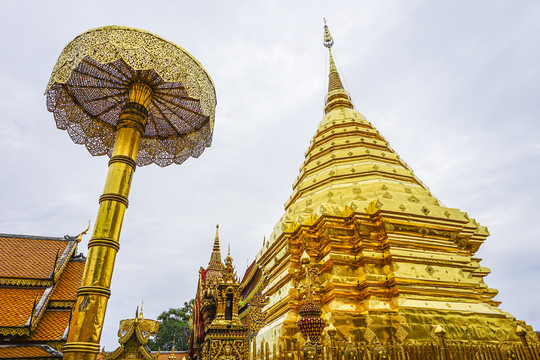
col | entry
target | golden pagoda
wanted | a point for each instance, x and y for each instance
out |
(389, 261)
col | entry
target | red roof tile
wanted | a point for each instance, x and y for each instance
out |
(69, 282)
(52, 326)
(16, 305)
(16, 250)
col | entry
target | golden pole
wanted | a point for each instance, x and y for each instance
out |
(93, 295)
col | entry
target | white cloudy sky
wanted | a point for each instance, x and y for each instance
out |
(454, 86)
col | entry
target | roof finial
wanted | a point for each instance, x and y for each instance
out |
(337, 96)
(172, 355)
(79, 237)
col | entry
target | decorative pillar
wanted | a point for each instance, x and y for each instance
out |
(94, 292)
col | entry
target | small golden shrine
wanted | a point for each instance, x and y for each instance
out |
(39, 277)
(217, 331)
(389, 262)
(133, 336)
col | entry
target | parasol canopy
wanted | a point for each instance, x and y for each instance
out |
(89, 87)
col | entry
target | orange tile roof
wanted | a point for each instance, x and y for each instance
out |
(15, 250)
(52, 326)
(163, 356)
(69, 282)
(16, 304)
(25, 352)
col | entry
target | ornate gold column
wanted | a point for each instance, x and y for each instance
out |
(92, 296)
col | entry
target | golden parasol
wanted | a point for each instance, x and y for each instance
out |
(89, 87)
(139, 99)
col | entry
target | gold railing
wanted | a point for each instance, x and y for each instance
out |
(428, 351)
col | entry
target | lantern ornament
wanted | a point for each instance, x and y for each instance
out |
(311, 324)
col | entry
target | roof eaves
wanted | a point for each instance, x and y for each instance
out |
(37, 313)
(52, 350)
(35, 237)
(64, 259)
(65, 334)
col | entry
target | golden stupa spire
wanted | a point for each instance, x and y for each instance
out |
(348, 160)
(215, 259)
(337, 95)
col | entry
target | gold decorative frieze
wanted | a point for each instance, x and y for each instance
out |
(21, 331)
(25, 282)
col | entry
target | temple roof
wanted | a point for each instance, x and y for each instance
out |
(66, 289)
(39, 278)
(38, 351)
(52, 326)
(42, 250)
(17, 304)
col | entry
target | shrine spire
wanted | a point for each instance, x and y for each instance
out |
(215, 259)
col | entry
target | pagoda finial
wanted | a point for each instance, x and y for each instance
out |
(328, 40)
(337, 95)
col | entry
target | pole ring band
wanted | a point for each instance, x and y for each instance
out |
(114, 197)
(123, 159)
(94, 290)
(103, 241)
(81, 347)
(135, 107)
(133, 122)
